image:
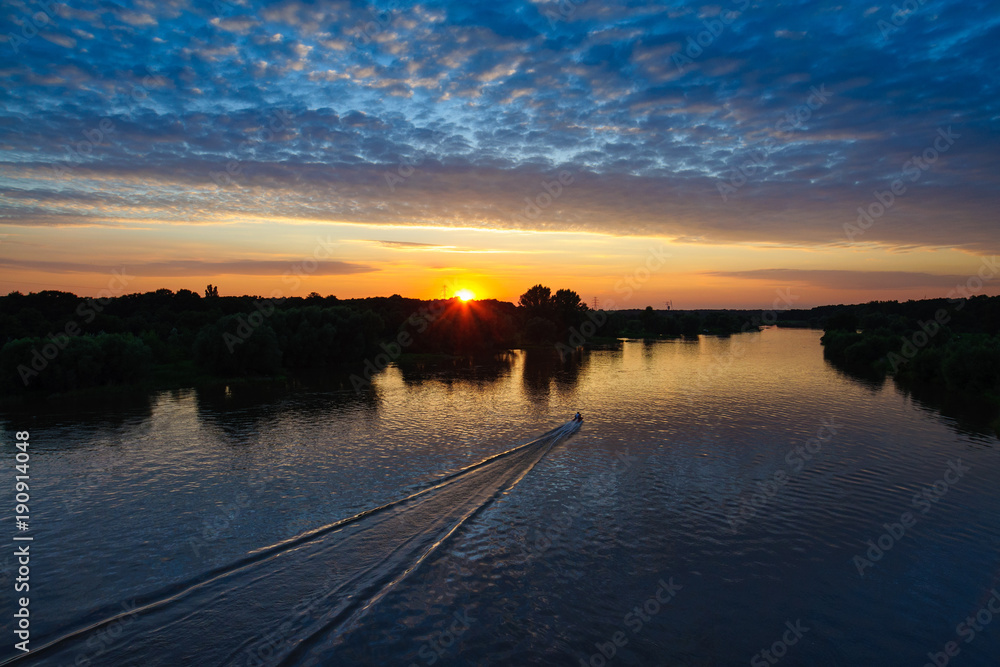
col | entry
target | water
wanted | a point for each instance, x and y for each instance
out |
(201, 527)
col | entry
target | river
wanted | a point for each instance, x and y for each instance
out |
(723, 498)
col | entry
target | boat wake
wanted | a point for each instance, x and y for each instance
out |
(291, 603)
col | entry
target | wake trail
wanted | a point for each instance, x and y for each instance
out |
(288, 603)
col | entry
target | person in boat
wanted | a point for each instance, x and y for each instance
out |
(578, 417)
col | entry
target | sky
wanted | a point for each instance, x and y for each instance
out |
(722, 155)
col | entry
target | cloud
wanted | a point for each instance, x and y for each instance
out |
(135, 18)
(410, 245)
(475, 108)
(237, 24)
(839, 279)
(196, 268)
(64, 41)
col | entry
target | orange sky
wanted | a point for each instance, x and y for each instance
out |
(490, 147)
(277, 258)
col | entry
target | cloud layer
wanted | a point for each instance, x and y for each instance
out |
(198, 268)
(747, 122)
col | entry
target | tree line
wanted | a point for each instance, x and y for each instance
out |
(55, 341)
(949, 343)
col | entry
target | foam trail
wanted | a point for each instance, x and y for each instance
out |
(290, 603)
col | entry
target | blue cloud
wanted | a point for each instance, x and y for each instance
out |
(679, 119)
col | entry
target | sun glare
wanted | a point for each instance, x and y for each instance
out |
(465, 295)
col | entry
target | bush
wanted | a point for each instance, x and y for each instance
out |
(972, 364)
(539, 330)
(76, 362)
(232, 346)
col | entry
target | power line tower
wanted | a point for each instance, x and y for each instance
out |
(595, 303)
(670, 304)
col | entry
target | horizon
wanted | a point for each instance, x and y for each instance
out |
(707, 156)
(475, 298)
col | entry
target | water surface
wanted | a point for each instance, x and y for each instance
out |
(684, 477)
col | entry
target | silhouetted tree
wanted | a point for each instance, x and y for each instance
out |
(649, 321)
(843, 321)
(568, 307)
(539, 330)
(690, 325)
(232, 346)
(211, 290)
(536, 300)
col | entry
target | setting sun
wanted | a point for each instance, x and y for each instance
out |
(465, 295)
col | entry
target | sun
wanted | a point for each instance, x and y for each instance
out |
(465, 295)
